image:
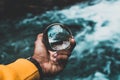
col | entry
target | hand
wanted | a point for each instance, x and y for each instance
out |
(51, 62)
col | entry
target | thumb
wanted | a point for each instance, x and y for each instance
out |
(40, 49)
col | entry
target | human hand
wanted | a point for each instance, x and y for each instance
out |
(51, 62)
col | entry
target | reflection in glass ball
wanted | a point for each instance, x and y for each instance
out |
(58, 37)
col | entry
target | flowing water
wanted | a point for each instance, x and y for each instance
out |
(95, 25)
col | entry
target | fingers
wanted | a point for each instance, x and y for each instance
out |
(62, 57)
(72, 43)
(62, 60)
(63, 54)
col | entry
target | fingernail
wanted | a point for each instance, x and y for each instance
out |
(55, 55)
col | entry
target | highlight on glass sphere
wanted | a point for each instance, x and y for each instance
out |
(57, 37)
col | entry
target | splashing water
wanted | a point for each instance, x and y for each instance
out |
(96, 29)
(102, 43)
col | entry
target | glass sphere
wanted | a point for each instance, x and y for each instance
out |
(57, 37)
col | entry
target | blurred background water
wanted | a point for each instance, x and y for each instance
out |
(95, 25)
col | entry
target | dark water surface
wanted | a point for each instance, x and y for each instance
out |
(95, 26)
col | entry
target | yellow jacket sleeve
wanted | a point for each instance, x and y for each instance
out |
(21, 69)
